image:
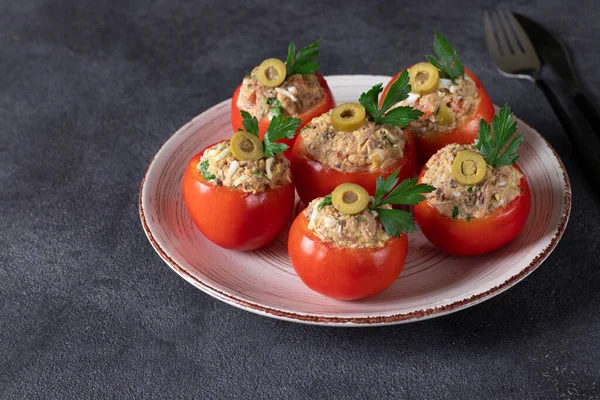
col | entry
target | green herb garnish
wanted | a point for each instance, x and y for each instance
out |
(204, 169)
(250, 124)
(455, 212)
(360, 219)
(279, 128)
(408, 192)
(468, 218)
(470, 189)
(304, 63)
(276, 107)
(326, 202)
(399, 116)
(445, 58)
(492, 144)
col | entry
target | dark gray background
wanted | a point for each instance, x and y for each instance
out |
(89, 91)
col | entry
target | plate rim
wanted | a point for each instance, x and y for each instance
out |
(391, 319)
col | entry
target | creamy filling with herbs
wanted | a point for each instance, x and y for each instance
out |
(220, 167)
(455, 200)
(360, 230)
(370, 147)
(461, 99)
(294, 96)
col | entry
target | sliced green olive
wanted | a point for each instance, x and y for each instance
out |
(350, 198)
(424, 78)
(348, 117)
(271, 72)
(246, 146)
(444, 115)
(468, 167)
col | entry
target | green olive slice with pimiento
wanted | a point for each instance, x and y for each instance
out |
(424, 78)
(246, 146)
(348, 117)
(271, 72)
(349, 198)
(468, 167)
(444, 115)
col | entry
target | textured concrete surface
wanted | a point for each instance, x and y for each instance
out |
(89, 90)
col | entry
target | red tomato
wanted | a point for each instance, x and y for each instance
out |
(344, 273)
(318, 109)
(234, 219)
(477, 236)
(464, 134)
(314, 179)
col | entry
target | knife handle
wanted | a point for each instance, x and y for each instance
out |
(588, 110)
(581, 134)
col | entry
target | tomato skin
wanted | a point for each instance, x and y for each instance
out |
(318, 109)
(477, 236)
(314, 179)
(234, 219)
(464, 134)
(344, 273)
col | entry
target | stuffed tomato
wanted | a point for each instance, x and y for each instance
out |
(452, 100)
(348, 245)
(482, 198)
(355, 142)
(291, 89)
(239, 193)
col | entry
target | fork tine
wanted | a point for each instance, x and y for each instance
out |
(490, 39)
(521, 35)
(500, 33)
(502, 17)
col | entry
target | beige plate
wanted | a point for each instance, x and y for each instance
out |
(263, 281)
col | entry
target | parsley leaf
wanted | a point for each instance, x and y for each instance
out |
(249, 122)
(204, 169)
(455, 212)
(396, 222)
(383, 186)
(276, 107)
(304, 63)
(491, 142)
(401, 116)
(407, 192)
(398, 91)
(279, 128)
(369, 99)
(326, 202)
(445, 58)
(388, 191)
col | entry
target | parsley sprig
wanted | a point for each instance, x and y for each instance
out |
(388, 191)
(445, 58)
(399, 116)
(304, 62)
(204, 169)
(279, 128)
(492, 144)
(408, 192)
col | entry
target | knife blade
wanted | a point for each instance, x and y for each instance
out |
(554, 53)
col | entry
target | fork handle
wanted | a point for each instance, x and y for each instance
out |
(581, 134)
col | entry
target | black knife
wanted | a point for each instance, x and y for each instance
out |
(555, 54)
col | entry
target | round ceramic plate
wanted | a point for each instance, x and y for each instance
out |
(264, 282)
